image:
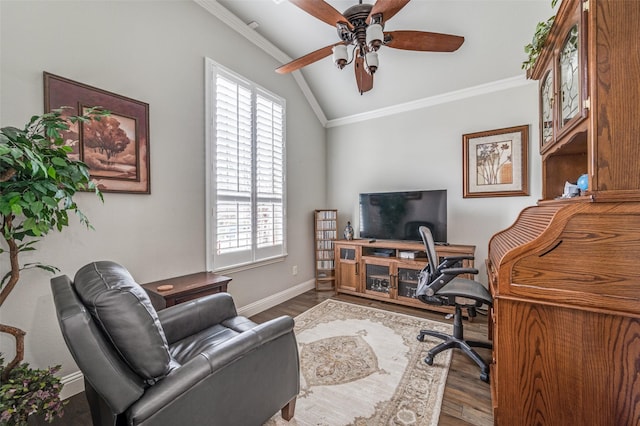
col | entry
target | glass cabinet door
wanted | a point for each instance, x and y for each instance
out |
(407, 281)
(569, 78)
(546, 110)
(378, 278)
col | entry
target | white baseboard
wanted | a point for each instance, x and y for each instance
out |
(74, 382)
(269, 302)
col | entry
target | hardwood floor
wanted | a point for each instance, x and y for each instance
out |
(467, 400)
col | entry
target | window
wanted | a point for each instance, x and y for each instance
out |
(245, 177)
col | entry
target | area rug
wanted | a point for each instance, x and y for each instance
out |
(364, 366)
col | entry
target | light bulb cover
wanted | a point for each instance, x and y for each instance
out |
(340, 55)
(371, 59)
(374, 36)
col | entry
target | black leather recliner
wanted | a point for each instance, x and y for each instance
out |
(197, 363)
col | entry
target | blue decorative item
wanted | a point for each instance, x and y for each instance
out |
(583, 182)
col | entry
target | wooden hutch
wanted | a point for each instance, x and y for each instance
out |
(565, 276)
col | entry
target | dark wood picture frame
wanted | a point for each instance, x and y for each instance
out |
(116, 148)
(495, 163)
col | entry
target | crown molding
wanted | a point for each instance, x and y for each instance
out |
(495, 86)
(223, 14)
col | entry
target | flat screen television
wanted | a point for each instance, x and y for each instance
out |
(399, 215)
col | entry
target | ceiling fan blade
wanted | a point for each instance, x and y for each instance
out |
(307, 59)
(387, 8)
(322, 11)
(363, 78)
(423, 41)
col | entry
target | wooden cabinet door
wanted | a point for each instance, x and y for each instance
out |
(571, 72)
(348, 267)
(568, 366)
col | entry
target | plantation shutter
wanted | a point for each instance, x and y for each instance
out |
(269, 173)
(248, 145)
(233, 167)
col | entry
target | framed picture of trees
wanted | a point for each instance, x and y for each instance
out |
(116, 148)
(495, 163)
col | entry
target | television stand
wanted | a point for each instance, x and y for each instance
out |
(388, 270)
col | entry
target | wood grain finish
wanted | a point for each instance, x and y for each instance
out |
(602, 139)
(531, 222)
(566, 276)
(616, 90)
(606, 277)
(567, 368)
(566, 316)
(356, 263)
(185, 288)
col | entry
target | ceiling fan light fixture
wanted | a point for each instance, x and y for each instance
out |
(371, 59)
(375, 36)
(361, 29)
(340, 55)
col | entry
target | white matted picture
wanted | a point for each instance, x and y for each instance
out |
(495, 163)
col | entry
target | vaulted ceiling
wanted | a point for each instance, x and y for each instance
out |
(495, 33)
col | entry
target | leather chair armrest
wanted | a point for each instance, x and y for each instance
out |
(208, 363)
(188, 318)
(235, 347)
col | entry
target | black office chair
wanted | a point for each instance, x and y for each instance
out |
(440, 286)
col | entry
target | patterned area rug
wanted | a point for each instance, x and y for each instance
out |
(364, 366)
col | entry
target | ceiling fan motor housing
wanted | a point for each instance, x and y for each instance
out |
(357, 16)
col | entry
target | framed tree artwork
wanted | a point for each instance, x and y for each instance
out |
(116, 148)
(495, 163)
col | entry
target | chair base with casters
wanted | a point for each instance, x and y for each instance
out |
(457, 341)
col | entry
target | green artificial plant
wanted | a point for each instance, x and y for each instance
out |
(534, 48)
(38, 180)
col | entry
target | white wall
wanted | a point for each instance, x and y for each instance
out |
(153, 52)
(422, 149)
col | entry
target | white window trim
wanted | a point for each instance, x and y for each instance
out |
(210, 188)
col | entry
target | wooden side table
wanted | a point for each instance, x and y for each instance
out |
(185, 288)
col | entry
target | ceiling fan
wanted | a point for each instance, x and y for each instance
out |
(361, 27)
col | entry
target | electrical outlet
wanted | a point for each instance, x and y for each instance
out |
(294, 270)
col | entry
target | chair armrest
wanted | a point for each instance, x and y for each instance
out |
(450, 261)
(261, 334)
(188, 318)
(459, 271)
(461, 257)
(202, 367)
(442, 280)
